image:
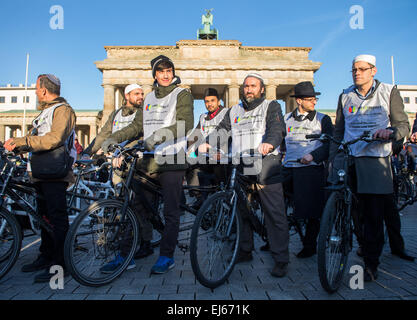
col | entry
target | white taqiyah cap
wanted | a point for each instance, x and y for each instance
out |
(366, 58)
(131, 87)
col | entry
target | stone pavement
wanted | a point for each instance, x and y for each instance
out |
(249, 281)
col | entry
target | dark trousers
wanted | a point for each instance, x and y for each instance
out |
(171, 183)
(373, 208)
(272, 201)
(391, 218)
(312, 232)
(52, 204)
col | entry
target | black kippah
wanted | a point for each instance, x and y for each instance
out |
(211, 92)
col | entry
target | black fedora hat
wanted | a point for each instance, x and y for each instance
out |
(304, 89)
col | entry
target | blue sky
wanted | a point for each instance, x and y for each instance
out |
(390, 29)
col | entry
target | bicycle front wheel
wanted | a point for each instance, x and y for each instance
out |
(215, 239)
(333, 243)
(10, 241)
(98, 236)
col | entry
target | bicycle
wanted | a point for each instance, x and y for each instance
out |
(85, 189)
(215, 236)
(110, 228)
(405, 190)
(18, 209)
(335, 238)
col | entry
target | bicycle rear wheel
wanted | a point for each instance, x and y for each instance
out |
(215, 239)
(333, 243)
(89, 245)
(10, 241)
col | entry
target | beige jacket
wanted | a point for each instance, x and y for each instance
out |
(62, 125)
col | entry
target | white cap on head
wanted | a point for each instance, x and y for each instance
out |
(131, 87)
(366, 58)
(254, 75)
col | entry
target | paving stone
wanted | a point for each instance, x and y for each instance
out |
(258, 295)
(166, 289)
(32, 296)
(66, 296)
(141, 297)
(104, 297)
(126, 290)
(320, 295)
(182, 296)
(285, 295)
(213, 296)
(93, 290)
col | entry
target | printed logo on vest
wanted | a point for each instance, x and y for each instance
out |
(352, 109)
(154, 106)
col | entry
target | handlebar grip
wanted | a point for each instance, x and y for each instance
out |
(313, 136)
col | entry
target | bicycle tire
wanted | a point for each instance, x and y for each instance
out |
(83, 237)
(215, 211)
(333, 243)
(10, 241)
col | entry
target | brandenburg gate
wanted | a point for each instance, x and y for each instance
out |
(220, 64)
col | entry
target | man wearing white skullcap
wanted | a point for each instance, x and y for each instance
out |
(119, 118)
(370, 105)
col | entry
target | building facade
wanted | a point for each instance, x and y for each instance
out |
(12, 97)
(409, 95)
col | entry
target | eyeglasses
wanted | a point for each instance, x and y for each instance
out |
(355, 70)
(311, 99)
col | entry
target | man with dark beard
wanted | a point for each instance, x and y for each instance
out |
(119, 118)
(258, 124)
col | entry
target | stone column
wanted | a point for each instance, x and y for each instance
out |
(226, 98)
(146, 89)
(2, 132)
(290, 104)
(271, 92)
(109, 94)
(93, 132)
(233, 95)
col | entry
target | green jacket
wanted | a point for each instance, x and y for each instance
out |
(107, 129)
(185, 112)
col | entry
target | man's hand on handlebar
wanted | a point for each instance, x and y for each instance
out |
(384, 134)
(265, 148)
(306, 159)
(413, 137)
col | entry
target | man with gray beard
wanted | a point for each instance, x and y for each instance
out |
(258, 124)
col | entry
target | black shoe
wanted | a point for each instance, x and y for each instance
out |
(280, 269)
(144, 251)
(371, 274)
(265, 247)
(403, 255)
(244, 256)
(306, 253)
(45, 276)
(39, 264)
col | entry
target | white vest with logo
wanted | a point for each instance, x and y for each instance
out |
(43, 125)
(161, 113)
(207, 126)
(120, 122)
(367, 115)
(295, 141)
(248, 127)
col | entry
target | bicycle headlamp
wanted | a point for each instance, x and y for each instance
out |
(341, 173)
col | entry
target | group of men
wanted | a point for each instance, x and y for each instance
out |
(256, 124)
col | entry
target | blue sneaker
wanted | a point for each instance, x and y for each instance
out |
(113, 265)
(163, 265)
